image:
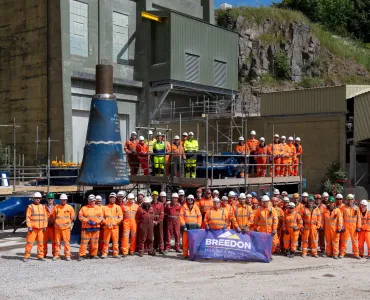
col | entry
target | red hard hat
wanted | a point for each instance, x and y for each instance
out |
(254, 201)
(317, 196)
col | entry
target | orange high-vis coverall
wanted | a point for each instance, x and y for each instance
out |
(333, 222)
(252, 145)
(205, 205)
(242, 150)
(133, 160)
(262, 160)
(290, 155)
(311, 225)
(322, 208)
(112, 215)
(63, 216)
(36, 219)
(284, 159)
(90, 233)
(364, 235)
(129, 227)
(219, 218)
(267, 220)
(277, 151)
(189, 219)
(142, 154)
(176, 151)
(229, 210)
(291, 226)
(49, 234)
(280, 213)
(299, 152)
(244, 216)
(351, 222)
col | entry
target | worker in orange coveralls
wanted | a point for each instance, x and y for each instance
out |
(63, 216)
(364, 235)
(130, 150)
(252, 144)
(177, 151)
(291, 226)
(280, 213)
(290, 155)
(198, 196)
(142, 154)
(243, 214)
(98, 202)
(145, 223)
(284, 156)
(49, 234)
(242, 149)
(322, 208)
(233, 198)
(332, 221)
(129, 211)
(351, 227)
(172, 215)
(262, 152)
(276, 150)
(90, 216)
(311, 224)
(158, 208)
(112, 214)
(218, 218)
(299, 152)
(227, 207)
(266, 220)
(190, 218)
(205, 204)
(36, 221)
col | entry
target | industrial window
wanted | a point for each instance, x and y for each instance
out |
(192, 68)
(120, 38)
(220, 73)
(79, 28)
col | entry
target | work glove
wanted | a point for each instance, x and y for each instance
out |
(238, 230)
(185, 229)
(273, 232)
(295, 228)
(30, 229)
(44, 229)
(339, 231)
(286, 232)
(358, 230)
(207, 228)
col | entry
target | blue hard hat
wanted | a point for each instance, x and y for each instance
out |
(254, 194)
(267, 193)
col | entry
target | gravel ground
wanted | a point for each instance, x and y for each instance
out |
(171, 277)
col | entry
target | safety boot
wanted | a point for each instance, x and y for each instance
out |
(287, 253)
(103, 257)
(161, 252)
(81, 258)
(95, 257)
(356, 257)
(178, 251)
(153, 253)
(292, 254)
(141, 254)
(68, 259)
(340, 256)
(55, 258)
(304, 255)
(335, 257)
(41, 259)
(25, 259)
(315, 256)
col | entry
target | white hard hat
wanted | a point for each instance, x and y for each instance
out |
(249, 196)
(141, 193)
(190, 197)
(176, 137)
(364, 202)
(216, 192)
(133, 133)
(276, 135)
(298, 139)
(224, 198)
(231, 194)
(265, 198)
(98, 198)
(262, 139)
(112, 195)
(63, 197)
(216, 199)
(290, 138)
(339, 196)
(163, 194)
(283, 137)
(147, 200)
(159, 133)
(291, 205)
(130, 196)
(350, 197)
(241, 139)
(253, 132)
(175, 195)
(91, 197)
(37, 195)
(242, 196)
(286, 199)
(325, 194)
(141, 138)
(276, 192)
(305, 194)
(150, 132)
(191, 133)
(284, 193)
(121, 193)
(185, 134)
(181, 192)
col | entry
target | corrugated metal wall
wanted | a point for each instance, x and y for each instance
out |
(210, 43)
(304, 102)
(361, 116)
(352, 90)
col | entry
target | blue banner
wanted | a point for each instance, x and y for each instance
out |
(230, 245)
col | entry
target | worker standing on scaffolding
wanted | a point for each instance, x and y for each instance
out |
(176, 151)
(150, 143)
(242, 149)
(159, 148)
(252, 145)
(191, 147)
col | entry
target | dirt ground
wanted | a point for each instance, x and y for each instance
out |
(171, 277)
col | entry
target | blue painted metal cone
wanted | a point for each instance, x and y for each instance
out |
(103, 163)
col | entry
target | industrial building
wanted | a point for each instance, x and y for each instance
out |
(50, 48)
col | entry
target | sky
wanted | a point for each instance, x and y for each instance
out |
(245, 2)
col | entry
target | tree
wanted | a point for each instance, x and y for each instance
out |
(334, 173)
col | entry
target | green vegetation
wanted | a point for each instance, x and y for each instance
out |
(269, 80)
(282, 65)
(270, 38)
(335, 172)
(311, 82)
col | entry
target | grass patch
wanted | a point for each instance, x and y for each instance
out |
(270, 38)
(311, 82)
(269, 80)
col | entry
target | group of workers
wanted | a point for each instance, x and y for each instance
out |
(283, 155)
(147, 224)
(156, 152)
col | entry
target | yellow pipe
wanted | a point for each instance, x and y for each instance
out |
(150, 16)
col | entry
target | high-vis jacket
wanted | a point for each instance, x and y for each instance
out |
(190, 218)
(36, 216)
(311, 218)
(244, 215)
(292, 222)
(159, 147)
(266, 219)
(217, 219)
(130, 146)
(88, 213)
(191, 145)
(205, 205)
(242, 149)
(252, 144)
(365, 221)
(351, 217)
(63, 216)
(112, 214)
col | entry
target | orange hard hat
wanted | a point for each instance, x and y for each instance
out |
(275, 199)
(254, 201)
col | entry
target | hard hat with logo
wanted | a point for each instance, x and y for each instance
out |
(311, 198)
(350, 197)
(216, 199)
(176, 137)
(159, 133)
(231, 194)
(331, 199)
(112, 195)
(276, 192)
(295, 196)
(185, 134)
(98, 198)
(150, 132)
(163, 194)
(91, 197)
(291, 205)
(155, 193)
(191, 133)
(147, 200)
(50, 195)
(242, 196)
(253, 132)
(190, 197)
(298, 139)
(37, 195)
(304, 194)
(141, 138)
(241, 139)
(325, 194)
(130, 196)
(265, 198)
(364, 202)
(286, 199)
(339, 196)
(121, 194)
(181, 193)
(63, 197)
(175, 195)
(262, 139)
